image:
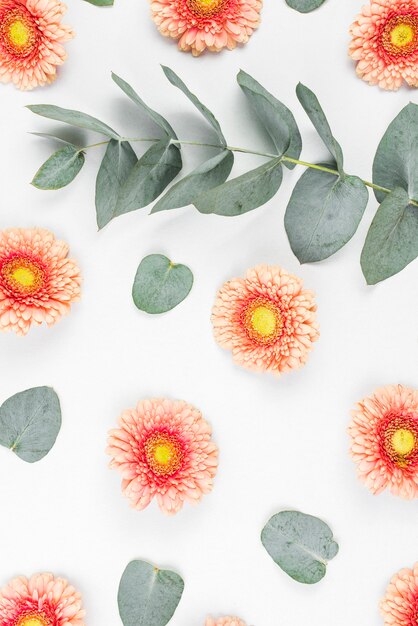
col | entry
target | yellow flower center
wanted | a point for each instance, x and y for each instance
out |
(163, 453)
(23, 277)
(32, 620)
(206, 8)
(262, 321)
(18, 32)
(403, 441)
(400, 35)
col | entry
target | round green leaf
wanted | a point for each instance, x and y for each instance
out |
(148, 596)
(30, 422)
(300, 544)
(305, 6)
(160, 285)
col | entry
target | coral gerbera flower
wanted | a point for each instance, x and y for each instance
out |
(399, 607)
(384, 433)
(266, 319)
(224, 621)
(163, 448)
(31, 38)
(40, 601)
(37, 281)
(385, 43)
(207, 24)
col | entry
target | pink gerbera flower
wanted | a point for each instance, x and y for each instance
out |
(163, 448)
(224, 621)
(266, 319)
(385, 43)
(384, 433)
(37, 281)
(40, 601)
(399, 607)
(207, 24)
(31, 38)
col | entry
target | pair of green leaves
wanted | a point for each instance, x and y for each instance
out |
(305, 6)
(301, 545)
(148, 596)
(30, 422)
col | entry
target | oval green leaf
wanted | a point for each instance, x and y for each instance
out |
(73, 118)
(276, 118)
(117, 164)
(323, 213)
(30, 422)
(101, 3)
(314, 111)
(392, 241)
(206, 176)
(301, 545)
(243, 194)
(160, 285)
(60, 169)
(305, 6)
(396, 160)
(148, 596)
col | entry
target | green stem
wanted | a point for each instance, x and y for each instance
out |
(267, 155)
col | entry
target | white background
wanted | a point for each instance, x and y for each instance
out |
(283, 442)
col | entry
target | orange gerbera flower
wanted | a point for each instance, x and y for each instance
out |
(224, 621)
(163, 449)
(31, 38)
(207, 24)
(40, 601)
(38, 283)
(385, 43)
(384, 433)
(399, 607)
(266, 319)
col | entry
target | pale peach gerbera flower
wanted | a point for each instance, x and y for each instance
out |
(385, 43)
(211, 24)
(384, 433)
(163, 448)
(31, 38)
(399, 607)
(40, 601)
(37, 281)
(225, 621)
(266, 319)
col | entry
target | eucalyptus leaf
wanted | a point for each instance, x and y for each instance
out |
(30, 422)
(149, 177)
(153, 115)
(323, 213)
(244, 193)
(314, 111)
(160, 285)
(305, 6)
(206, 176)
(117, 164)
(208, 115)
(301, 545)
(277, 119)
(60, 169)
(101, 3)
(392, 240)
(59, 139)
(73, 118)
(148, 596)
(396, 160)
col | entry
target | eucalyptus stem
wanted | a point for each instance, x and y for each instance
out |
(267, 155)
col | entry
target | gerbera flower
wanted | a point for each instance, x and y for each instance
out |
(37, 281)
(211, 24)
(40, 601)
(400, 604)
(163, 448)
(384, 433)
(31, 38)
(224, 621)
(385, 43)
(266, 319)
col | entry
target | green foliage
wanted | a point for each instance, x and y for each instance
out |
(101, 3)
(148, 596)
(305, 6)
(326, 205)
(301, 545)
